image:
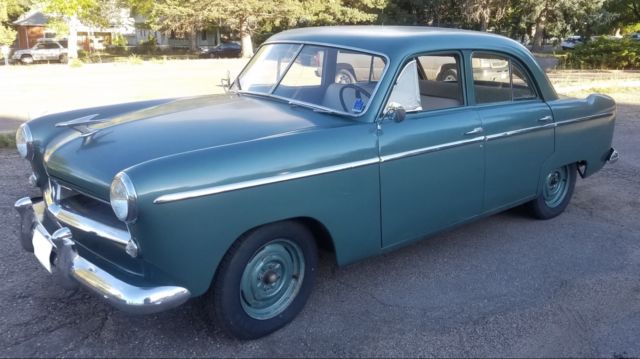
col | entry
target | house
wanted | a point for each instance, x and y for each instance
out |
(171, 39)
(32, 27)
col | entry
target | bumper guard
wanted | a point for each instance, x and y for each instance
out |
(71, 269)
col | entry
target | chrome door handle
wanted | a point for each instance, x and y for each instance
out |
(545, 119)
(474, 131)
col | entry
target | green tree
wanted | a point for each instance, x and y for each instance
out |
(9, 11)
(485, 11)
(72, 13)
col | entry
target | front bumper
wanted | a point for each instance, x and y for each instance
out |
(71, 269)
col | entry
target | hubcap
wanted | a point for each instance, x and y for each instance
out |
(272, 279)
(556, 186)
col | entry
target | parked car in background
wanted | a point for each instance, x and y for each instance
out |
(42, 51)
(226, 49)
(571, 42)
(230, 196)
(635, 36)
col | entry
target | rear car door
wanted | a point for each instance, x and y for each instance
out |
(518, 126)
(432, 162)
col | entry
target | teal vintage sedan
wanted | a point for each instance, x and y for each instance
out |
(355, 139)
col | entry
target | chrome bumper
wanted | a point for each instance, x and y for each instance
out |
(613, 156)
(71, 269)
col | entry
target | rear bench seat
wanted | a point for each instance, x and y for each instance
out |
(437, 94)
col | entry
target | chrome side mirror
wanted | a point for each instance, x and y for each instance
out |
(395, 112)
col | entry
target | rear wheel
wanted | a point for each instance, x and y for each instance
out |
(63, 59)
(264, 280)
(557, 190)
(26, 59)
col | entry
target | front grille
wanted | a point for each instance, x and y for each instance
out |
(76, 209)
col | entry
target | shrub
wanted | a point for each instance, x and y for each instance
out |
(603, 53)
(75, 63)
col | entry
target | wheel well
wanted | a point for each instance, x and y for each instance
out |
(320, 233)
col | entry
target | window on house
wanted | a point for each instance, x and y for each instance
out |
(203, 35)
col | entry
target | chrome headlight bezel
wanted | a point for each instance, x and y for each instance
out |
(24, 141)
(123, 198)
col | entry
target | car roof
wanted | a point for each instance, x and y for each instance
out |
(394, 40)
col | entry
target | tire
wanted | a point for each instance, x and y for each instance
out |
(345, 75)
(556, 193)
(63, 59)
(26, 59)
(263, 281)
(449, 75)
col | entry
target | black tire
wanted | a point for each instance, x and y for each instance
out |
(26, 59)
(345, 74)
(225, 304)
(63, 59)
(449, 75)
(540, 207)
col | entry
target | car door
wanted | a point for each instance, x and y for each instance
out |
(518, 126)
(432, 163)
(39, 52)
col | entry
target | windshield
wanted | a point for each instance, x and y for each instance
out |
(324, 77)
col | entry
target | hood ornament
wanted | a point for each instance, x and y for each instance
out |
(82, 125)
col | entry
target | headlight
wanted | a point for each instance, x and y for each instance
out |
(24, 141)
(123, 198)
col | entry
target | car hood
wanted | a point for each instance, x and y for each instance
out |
(90, 162)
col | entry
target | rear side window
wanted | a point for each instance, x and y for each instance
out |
(497, 78)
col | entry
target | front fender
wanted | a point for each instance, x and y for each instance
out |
(188, 238)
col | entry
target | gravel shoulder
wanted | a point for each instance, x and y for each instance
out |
(505, 286)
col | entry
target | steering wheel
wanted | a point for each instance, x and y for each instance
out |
(359, 92)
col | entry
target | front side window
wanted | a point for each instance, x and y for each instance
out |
(429, 82)
(497, 78)
(321, 76)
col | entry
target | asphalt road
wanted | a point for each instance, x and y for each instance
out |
(506, 285)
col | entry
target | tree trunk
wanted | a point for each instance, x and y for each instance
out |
(72, 43)
(194, 39)
(538, 38)
(484, 22)
(247, 44)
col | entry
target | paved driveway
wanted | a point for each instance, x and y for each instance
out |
(507, 285)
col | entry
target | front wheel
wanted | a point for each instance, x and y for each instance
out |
(557, 190)
(264, 280)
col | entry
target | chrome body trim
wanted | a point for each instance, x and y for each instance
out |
(72, 270)
(519, 131)
(262, 181)
(82, 124)
(83, 223)
(585, 118)
(296, 175)
(435, 148)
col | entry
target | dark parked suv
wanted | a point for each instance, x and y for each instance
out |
(227, 49)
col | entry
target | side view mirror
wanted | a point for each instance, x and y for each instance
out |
(395, 112)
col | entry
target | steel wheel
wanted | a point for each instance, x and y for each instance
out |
(272, 279)
(264, 280)
(556, 187)
(555, 194)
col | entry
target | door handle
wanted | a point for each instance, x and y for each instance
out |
(474, 131)
(545, 119)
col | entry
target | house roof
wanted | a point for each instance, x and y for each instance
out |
(32, 18)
